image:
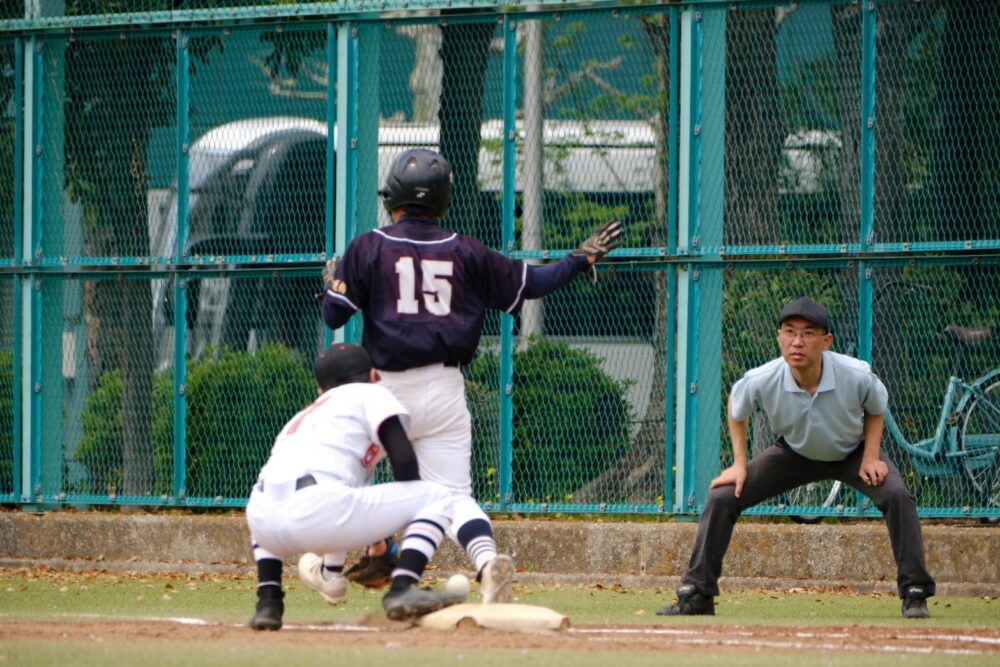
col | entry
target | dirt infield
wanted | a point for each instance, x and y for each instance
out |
(378, 632)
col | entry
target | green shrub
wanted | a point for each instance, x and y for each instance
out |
(571, 422)
(7, 453)
(236, 404)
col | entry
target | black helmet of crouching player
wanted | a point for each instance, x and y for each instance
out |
(419, 181)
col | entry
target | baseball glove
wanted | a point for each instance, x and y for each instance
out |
(328, 269)
(602, 241)
(375, 571)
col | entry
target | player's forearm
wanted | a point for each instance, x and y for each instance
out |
(546, 279)
(399, 449)
(873, 427)
(738, 434)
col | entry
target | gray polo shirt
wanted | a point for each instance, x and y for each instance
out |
(825, 427)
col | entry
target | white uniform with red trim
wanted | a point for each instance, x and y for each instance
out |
(335, 440)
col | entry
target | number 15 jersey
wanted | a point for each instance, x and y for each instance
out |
(424, 291)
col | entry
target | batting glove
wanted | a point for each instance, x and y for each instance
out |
(602, 241)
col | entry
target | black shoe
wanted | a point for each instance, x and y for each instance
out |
(689, 603)
(915, 603)
(270, 607)
(404, 603)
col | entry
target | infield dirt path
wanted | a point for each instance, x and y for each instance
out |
(379, 632)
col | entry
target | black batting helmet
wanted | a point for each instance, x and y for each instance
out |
(419, 181)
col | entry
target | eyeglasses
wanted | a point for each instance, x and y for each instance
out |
(808, 335)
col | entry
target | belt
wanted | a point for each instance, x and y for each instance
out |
(452, 364)
(301, 483)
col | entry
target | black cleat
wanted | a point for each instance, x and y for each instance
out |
(915, 603)
(270, 607)
(406, 603)
(689, 603)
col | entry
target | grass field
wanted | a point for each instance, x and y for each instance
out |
(70, 618)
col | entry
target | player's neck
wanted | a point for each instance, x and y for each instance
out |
(808, 378)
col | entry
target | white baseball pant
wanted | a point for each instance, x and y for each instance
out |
(331, 517)
(440, 430)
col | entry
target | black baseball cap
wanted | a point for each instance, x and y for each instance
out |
(807, 309)
(339, 362)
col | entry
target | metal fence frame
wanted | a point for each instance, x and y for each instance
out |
(693, 258)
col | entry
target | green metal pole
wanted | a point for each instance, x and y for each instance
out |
(867, 190)
(671, 324)
(506, 462)
(867, 185)
(19, 279)
(346, 149)
(180, 282)
(20, 222)
(687, 205)
(31, 302)
(706, 395)
(329, 246)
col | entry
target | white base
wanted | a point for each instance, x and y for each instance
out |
(516, 617)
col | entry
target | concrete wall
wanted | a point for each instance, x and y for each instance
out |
(964, 558)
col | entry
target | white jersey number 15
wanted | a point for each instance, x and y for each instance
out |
(436, 287)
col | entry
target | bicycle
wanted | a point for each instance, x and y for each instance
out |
(966, 440)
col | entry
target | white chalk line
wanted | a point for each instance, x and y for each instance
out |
(806, 646)
(684, 636)
(180, 620)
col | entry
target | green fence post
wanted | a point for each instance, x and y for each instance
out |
(346, 150)
(700, 226)
(30, 287)
(180, 283)
(506, 462)
(19, 278)
(709, 237)
(329, 236)
(671, 222)
(867, 192)
(687, 202)
(867, 185)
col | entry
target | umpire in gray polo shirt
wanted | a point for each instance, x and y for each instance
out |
(827, 411)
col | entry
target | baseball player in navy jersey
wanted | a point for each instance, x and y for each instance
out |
(313, 496)
(827, 410)
(423, 291)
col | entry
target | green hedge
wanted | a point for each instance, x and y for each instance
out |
(571, 422)
(236, 404)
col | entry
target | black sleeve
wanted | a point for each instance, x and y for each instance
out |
(399, 450)
(548, 278)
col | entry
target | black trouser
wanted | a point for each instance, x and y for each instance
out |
(779, 469)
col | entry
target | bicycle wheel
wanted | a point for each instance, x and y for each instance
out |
(813, 494)
(981, 441)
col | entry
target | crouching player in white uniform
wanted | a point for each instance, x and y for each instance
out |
(313, 495)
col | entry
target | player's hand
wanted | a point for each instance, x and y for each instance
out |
(873, 471)
(601, 242)
(734, 474)
(328, 270)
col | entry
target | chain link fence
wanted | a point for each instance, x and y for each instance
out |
(174, 174)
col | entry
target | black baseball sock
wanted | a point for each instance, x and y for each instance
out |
(412, 562)
(268, 574)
